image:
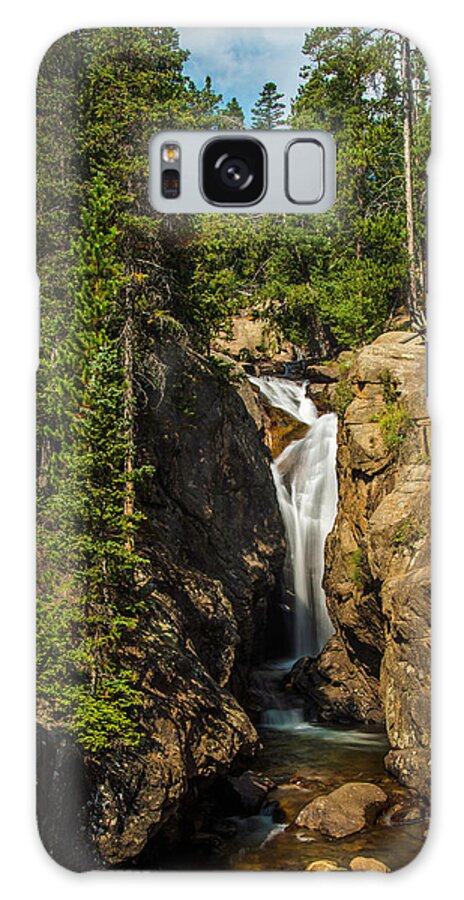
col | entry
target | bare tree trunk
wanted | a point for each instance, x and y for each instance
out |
(415, 311)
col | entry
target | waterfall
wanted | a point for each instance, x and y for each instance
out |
(306, 485)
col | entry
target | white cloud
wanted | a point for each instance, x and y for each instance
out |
(241, 60)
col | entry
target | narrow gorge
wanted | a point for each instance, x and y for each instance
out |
(285, 625)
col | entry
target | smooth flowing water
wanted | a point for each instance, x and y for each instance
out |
(304, 759)
(306, 486)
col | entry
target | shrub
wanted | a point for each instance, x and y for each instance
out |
(395, 423)
(408, 534)
(343, 397)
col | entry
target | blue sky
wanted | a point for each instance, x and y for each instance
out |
(241, 60)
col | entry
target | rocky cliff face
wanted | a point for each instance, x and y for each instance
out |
(214, 546)
(377, 578)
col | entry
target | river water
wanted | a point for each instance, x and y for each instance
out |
(306, 486)
(304, 759)
(301, 758)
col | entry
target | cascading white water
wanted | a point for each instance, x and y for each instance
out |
(306, 485)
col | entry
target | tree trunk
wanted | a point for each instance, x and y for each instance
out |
(416, 313)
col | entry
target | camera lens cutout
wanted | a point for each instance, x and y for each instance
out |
(233, 171)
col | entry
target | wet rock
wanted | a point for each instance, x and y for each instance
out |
(367, 864)
(411, 767)
(344, 811)
(377, 561)
(404, 810)
(281, 429)
(335, 689)
(324, 865)
(290, 799)
(243, 794)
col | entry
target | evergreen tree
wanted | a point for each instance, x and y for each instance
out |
(268, 109)
(105, 263)
(342, 275)
(351, 86)
(207, 105)
(232, 116)
(84, 523)
(355, 85)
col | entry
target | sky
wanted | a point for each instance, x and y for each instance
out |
(241, 60)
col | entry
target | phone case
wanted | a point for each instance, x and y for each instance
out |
(233, 620)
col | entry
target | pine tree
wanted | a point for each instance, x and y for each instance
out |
(232, 116)
(351, 87)
(354, 86)
(268, 109)
(105, 265)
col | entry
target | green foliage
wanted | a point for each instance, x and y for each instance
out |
(395, 422)
(107, 266)
(84, 516)
(351, 87)
(268, 110)
(354, 299)
(345, 363)
(109, 714)
(408, 534)
(232, 116)
(113, 275)
(224, 371)
(343, 397)
(390, 393)
(331, 281)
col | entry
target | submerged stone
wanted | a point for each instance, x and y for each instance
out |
(344, 811)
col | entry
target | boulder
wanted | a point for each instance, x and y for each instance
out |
(243, 794)
(367, 864)
(336, 689)
(344, 811)
(324, 865)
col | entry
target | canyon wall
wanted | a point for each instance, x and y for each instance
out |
(213, 545)
(377, 575)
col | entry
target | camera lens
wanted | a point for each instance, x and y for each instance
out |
(233, 171)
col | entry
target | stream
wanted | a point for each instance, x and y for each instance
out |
(304, 759)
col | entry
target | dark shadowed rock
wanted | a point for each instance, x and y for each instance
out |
(243, 794)
(64, 800)
(213, 542)
(344, 811)
(336, 689)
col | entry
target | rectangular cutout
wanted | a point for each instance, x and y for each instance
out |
(299, 172)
